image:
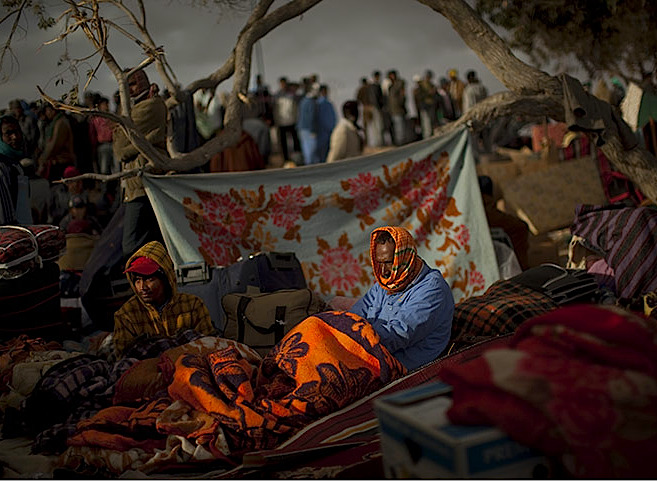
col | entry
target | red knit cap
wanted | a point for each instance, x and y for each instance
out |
(144, 266)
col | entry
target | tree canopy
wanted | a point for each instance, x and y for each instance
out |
(617, 38)
(531, 91)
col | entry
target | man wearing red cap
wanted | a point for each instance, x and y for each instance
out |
(157, 308)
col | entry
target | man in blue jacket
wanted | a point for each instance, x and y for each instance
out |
(411, 306)
(308, 124)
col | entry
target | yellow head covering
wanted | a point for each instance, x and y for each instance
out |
(406, 263)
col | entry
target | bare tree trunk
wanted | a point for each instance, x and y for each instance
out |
(258, 26)
(638, 164)
(516, 75)
(504, 104)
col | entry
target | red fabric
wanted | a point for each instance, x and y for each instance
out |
(242, 156)
(579, 381)
(555, 133)
(15, 243)
(144, 266)
(71, 171)
(100, 129)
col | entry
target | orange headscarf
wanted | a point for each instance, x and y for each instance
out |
(406, 263)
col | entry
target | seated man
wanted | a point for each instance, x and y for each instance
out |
(156, 309)
(411, 306)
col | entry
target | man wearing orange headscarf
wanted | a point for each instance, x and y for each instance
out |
(411, 306)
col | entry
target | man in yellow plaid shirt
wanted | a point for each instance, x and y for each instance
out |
(157, 308)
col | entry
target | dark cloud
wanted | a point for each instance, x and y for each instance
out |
(341, 40)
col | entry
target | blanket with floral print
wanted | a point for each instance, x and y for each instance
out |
(325, 213)
(223, 403)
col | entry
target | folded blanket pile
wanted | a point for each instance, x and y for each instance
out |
(579, 382)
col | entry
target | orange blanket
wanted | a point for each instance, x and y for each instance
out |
(325, 363)
(223, 402)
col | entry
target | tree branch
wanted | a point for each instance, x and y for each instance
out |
(256, 27)
(150, 49)
(7, 46)
(102, 177)
(493, 51)
(228, 68)
(155, 158)
(638, 164)
(504, 104)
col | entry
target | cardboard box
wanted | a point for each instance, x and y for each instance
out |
(546, 200)
(418, 441)
(499, 171)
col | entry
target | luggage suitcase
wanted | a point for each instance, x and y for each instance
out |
(31, 305)
(268, 271)
(50, 239)
(211, 292)
(563, 286)
(18, 251)
(261, 320)
(23, 248)
(264, 272)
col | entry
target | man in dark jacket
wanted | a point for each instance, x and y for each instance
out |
(13, 199)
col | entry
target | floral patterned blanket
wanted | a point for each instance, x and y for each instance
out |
(223, 403)
(325, 214)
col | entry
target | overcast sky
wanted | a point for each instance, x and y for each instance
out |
(341, 40)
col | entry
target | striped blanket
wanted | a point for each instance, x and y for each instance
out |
(627, 236)
(500, 310)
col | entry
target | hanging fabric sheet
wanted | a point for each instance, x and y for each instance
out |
(325, 213)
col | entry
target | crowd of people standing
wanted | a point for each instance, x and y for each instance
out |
(305, 123)
(384, 105)
(298, 121)
(42, 145)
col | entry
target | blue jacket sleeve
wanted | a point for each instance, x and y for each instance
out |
(363, 305)
(423, 313)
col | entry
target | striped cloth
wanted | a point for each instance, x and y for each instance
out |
(70, 391)
(628, 237)
(406, 263)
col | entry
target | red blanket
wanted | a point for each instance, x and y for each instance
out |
(579, 382)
